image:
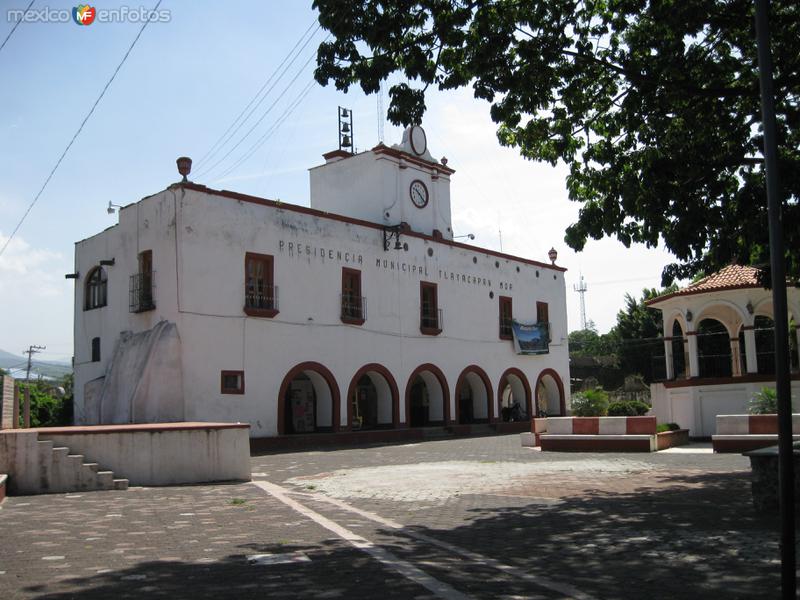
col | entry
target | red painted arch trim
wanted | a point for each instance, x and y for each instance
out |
(386, 374)
(486, 383)
(525, 383)
(562, 401)
(329, 379)
(437, 372)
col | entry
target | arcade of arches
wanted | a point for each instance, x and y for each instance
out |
(309, 398)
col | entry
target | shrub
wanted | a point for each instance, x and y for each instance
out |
(662, 427)
(764, 402)
(591, 403)
(629, 408)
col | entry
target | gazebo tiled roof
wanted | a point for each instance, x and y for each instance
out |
(732, 277)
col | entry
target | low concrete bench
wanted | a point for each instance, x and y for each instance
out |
(742, 433)
(593, 434)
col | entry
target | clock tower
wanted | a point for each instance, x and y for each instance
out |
(388, 185)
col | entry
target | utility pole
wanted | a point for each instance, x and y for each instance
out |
(581, 289)
(779, 306)
(30, 352)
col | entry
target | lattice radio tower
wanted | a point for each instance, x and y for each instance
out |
(581, 289)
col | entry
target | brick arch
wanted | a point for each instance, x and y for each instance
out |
(525, 384)
(325, 373)
(562, 401)
(462, 378)
(437, 372)
(387, 375)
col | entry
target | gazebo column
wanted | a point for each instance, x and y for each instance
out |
(694, 360)
(736, 361)
(669, 359)
(751, 358)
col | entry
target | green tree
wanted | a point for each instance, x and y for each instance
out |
(639, 331)
(653, 106)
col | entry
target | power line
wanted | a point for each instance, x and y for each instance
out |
(14, 28)
(207, 170)
(214, 148)
(78, 132)
(273, 128)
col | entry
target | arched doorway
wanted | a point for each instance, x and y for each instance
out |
(372, 399)
(714, 349)
(474, 397)
(514, 389)
(427, 397)
(550, 399)
(308, 400)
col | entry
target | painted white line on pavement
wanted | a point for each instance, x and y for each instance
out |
(406, 569)
(562, 588)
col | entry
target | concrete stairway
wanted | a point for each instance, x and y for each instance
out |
(60, 471)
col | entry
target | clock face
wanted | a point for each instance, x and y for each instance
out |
(419, 142)
(419, 193)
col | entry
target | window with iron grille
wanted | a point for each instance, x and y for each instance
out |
(95, 290)
(353, 304)
(142, 284)
(232, 382)
(260, 292)
(543, 317)
(506, 318)
(430, 313)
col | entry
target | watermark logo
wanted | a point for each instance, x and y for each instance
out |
(83, 14)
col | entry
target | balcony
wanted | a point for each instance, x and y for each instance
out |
(353, 309)
(431, 320)
(506, 332)
(261, 300)
(141, 292)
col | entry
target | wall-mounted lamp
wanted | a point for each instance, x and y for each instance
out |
(552, 255)
(107, 263)
(689, 316)
(466, 235)
(749, 307)
(111, 206)
(391, 232)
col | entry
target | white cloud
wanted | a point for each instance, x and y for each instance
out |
(35, 299)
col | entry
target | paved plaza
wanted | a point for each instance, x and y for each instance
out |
(458, 518)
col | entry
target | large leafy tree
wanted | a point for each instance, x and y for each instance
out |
(652, 104)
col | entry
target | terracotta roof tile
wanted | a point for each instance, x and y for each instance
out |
(729, 278)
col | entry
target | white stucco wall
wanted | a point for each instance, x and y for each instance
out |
(199, 240)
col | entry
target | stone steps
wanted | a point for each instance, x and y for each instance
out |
(60, 471)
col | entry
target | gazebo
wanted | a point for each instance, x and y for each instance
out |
(719, 348)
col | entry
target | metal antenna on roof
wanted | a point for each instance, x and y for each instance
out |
(581, 288)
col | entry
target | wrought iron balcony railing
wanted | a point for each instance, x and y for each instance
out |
(141, 292)
(431, 318)
(353, 308)
(261, 298)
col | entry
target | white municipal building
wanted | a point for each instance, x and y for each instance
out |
(358, 313)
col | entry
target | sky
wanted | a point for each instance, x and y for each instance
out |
(181, 88)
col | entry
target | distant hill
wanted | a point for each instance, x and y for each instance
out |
(46, 368)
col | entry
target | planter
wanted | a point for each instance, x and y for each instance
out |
(670, 439)
(764, 479)
(741, 433)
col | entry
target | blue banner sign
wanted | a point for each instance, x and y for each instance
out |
(531, 338)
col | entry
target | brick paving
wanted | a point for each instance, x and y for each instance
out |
(667, 525)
